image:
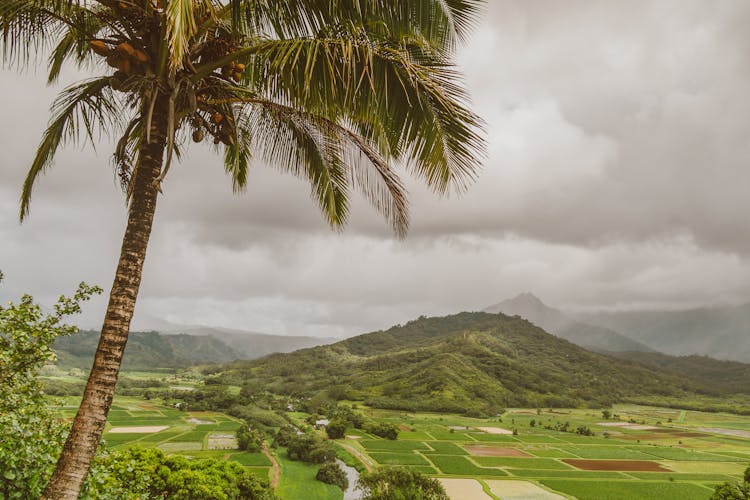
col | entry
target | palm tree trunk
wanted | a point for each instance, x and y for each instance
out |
(85, 434)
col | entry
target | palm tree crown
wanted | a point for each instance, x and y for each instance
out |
(334, 91)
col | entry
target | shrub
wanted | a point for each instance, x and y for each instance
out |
(331, 473)
(390, 483)
(336, 429)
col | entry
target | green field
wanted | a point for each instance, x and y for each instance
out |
(695, 461)
(454, 447)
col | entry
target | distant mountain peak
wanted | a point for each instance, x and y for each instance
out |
(526, 298)
(530, 307)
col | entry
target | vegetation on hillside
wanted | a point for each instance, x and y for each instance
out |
(147, 350)
(471, 363)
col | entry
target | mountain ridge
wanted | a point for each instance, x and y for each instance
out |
(556, 322)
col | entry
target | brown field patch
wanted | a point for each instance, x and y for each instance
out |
(617, 465)
(495, 430)
(480, 450)
(464, 489)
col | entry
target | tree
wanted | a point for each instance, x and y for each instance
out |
(606, 414)
(31, 434)
(391, 483)
(149, 473)
(728, 491)
(336, 428)
(332, 473)
(334, 92)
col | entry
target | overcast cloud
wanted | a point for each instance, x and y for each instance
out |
(618, 177)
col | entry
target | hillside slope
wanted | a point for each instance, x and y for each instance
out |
(720, 332)
(716, 376)
(468, 362)
(251, 345)
(596, 338)
(146, 350)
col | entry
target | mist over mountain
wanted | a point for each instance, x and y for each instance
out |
(596, 338)
(251, 345)
(721, 332)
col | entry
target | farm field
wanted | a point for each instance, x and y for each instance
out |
(134, 421)
(638, 453)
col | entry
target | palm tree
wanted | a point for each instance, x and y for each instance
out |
(334, 91)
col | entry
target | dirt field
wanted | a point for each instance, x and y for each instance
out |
(464, 489)
(222, 442)
(521, 490)
(628, 425)
(495, 430)
(141, 429)
(494, 451)
(617, 465)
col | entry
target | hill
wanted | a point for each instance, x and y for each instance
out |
(725, 377)
(146, 350)
(595, 338)
(719, 332)
(175, 349)
(468, 362)
(251, 345)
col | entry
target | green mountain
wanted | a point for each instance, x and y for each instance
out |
(469, 362)
(146, 350)
(713, 375)
(187, 346)
(595, 338)
(251, 345)
(719, 332)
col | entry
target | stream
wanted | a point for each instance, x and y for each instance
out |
(352, 475)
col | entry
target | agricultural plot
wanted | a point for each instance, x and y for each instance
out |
(642, 456)
(196, 434)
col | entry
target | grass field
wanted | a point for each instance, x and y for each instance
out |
(451, 447)
(694, 461)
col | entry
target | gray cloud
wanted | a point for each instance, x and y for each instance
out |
(617, 177)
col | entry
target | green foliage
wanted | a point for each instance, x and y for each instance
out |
(729, 491)
(248, 439)
(310, 448)
(382, 429)
(399, 484)
(336, 429)
(146, 350)
(31, 435)
(149, 473)
(468, 363)
(331, 473)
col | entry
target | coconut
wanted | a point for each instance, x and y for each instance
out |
(99, 47)
(218, 117)
(198, 135)
(141, 56)
(126, 49)
(240, 67)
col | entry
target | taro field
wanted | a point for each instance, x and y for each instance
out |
(637, 453)
(133, 421)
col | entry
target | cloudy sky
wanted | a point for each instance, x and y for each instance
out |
(618, 177)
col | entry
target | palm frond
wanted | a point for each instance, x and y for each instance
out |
(28, 26)
(78, 109)
(181, 26)
(415, 110)
(441, 23)
(349, 158)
